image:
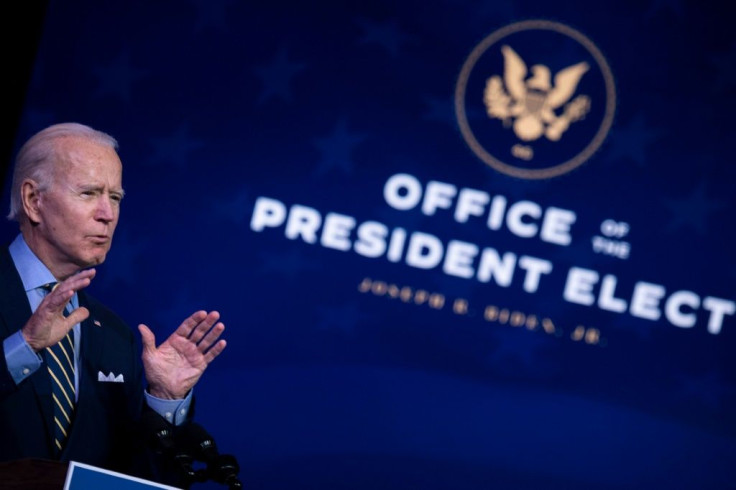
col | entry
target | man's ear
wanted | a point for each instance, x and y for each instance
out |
(30, 194)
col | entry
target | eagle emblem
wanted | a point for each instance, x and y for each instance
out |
(531, 104)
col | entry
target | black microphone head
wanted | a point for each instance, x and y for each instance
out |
(225, 470)
(193, 437)
(158, 432)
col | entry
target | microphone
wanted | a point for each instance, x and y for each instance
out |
(221, 468)
(160, 437)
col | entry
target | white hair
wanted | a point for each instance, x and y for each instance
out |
(38, 155)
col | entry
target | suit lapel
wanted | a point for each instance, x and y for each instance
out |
(92, 349)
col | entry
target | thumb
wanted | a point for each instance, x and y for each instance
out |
(147, 338)
(77, 316)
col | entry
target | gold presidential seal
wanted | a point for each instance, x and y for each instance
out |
(535, 99)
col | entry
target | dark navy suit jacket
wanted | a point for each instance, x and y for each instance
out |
(105, 432)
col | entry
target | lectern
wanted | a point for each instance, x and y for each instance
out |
(33, 474)
(42, 474)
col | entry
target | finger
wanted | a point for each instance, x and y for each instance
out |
(187, 326)
(215, 351)
(56, 301)
(204, 327)
(77, 316)
(148, 339)
(78, 281)
(85, 274)
(211, 337)
(60, 296)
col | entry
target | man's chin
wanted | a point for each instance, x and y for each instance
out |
(95, 260)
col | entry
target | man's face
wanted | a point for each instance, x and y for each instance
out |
(77, 215)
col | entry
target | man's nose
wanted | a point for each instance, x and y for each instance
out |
(105, 209)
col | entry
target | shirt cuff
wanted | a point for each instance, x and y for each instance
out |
(174, 411)
(20, 358)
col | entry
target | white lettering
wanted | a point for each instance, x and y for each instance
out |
(514, 218)
(371, 240)
(267, 212)
(396, 245)
(336, 231)
(525, 219)
(470, 202)
(402, 191)
(673, 308)
(492, 266)
(645, 300)
(495, 216)
(459, 259)
(438, 195)
(534, 269)
(304, 222)
(606, 299)
(424, 251)
(556, 226)
(579, 286)
(717, 307)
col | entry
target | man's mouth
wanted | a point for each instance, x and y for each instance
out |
(100, 239)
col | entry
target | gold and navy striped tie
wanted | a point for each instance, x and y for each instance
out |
(60, 364)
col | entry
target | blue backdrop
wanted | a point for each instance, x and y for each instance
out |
(469, 244)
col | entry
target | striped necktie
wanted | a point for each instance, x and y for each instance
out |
(60, 365)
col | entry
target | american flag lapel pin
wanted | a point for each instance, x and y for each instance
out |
(97, 323)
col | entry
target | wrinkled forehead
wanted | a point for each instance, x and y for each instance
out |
(76, 157)
(78, 164)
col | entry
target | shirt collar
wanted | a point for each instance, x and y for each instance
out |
(33, 273)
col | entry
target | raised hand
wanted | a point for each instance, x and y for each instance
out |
(48, 324)
(175, 366)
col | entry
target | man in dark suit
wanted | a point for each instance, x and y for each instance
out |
(66, 194)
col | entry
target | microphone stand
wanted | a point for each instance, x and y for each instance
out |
(220, 468)
(172, 458)
(225, 470)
